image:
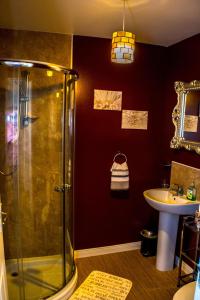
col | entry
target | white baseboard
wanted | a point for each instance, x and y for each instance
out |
(122, 248)
(185, 267)
(106, 250)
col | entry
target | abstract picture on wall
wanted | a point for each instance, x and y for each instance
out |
(107, 100)
(190, 123)
(134, 119)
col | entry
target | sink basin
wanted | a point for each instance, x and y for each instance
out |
(163, 200)
(169, 207)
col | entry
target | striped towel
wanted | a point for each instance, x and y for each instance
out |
(119, 177)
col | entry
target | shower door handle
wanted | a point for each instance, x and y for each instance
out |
(62, 188)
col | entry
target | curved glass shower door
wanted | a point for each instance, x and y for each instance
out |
(36, 160)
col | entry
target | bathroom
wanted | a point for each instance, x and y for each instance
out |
(102, 219)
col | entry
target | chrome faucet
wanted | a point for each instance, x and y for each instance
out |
(176, 190)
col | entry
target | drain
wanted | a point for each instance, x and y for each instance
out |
(14, 274)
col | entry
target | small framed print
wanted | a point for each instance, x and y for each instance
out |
(107, 100)
(190, 123)
(134, 119)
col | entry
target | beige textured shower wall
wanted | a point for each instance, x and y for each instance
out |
(34, 209)
(185, 175)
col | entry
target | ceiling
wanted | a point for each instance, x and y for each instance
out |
(159, 22)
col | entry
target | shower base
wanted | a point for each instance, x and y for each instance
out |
(42, 277)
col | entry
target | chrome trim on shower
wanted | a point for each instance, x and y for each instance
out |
(37, 64)
(21, 83)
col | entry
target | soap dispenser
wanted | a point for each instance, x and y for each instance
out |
(191, 192)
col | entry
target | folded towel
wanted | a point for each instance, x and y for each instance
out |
(119, 176)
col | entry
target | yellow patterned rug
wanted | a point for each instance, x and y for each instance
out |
(102, 286)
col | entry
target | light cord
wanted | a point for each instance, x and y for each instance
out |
(124, 16)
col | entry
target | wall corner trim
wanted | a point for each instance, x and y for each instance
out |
(106, 250)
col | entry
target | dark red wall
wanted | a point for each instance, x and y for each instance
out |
(102, 219)
(184, 62)
(184, 65)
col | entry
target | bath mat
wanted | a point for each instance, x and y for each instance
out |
(102, 286)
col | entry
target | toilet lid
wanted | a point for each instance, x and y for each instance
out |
(186, 292)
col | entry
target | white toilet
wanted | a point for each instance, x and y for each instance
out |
(186, 292)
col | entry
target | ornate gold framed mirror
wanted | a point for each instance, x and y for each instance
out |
(186, 116)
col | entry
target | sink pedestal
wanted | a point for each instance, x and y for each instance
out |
(167, 233)
(161, 200)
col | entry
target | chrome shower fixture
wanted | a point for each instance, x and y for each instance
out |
(24, 98)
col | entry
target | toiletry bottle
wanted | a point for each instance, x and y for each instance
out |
(180, 190)
(191, 192)
(197, 219)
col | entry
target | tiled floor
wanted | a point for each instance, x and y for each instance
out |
(148, 283)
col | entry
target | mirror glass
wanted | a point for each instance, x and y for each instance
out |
(192, 113)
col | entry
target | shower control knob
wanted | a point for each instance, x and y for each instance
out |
(59, 189)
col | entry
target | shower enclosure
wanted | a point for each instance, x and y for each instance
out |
(36, 178)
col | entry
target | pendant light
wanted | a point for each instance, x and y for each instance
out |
(123, 45)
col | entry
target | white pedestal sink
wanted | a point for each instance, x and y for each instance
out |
(170, 207)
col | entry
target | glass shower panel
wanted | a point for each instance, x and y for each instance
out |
(9, 145)
(40, 178)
